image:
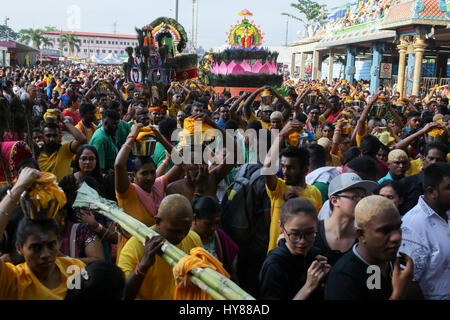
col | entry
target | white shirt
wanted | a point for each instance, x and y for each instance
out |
(426, 239)
(325, 212)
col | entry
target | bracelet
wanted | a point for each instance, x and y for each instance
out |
(8, 193)
(139, 272)
(4, 212)
(166, 162)
(280, 136)
(337, 130)
(390, 298)
(131, 136)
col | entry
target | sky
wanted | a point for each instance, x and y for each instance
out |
(214, 16)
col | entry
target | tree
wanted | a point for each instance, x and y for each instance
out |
(31, 35)
(47, 43)
(312, 11)
(7, 32)
(69, 40)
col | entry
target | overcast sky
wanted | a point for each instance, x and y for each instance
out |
(214, 16)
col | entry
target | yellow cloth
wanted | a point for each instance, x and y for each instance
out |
(43, 190)
(88, 132)
(173, 110)
(189, 130)
(20, 283)
(277, 200)
(51, 115)
(414, 168)
(265, 125)
(158, 282)
(58, 162)
(334, 162)
(144, 134)
(198, 258)
(293, 138)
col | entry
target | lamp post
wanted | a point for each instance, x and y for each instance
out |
(176, 10)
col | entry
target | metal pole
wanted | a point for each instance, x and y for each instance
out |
(176, 10)
(287, 29)
(196, 27)
(193, 25)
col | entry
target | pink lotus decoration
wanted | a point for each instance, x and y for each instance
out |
(244, 68)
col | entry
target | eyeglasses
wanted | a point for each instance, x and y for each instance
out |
(90, 159)
(297, 237)
(353, 198)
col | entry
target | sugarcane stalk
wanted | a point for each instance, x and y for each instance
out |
(206, 278)
(172, 253)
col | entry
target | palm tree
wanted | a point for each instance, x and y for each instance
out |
(31, 35)
(47, 43)
(71, 40)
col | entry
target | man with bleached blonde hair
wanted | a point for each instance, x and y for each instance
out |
(371, 270)
(398, 164)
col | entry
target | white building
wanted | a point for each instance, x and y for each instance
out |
(99, 44)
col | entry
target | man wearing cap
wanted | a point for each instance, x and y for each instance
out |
(371, 269)
(398, 164)
(337, 235)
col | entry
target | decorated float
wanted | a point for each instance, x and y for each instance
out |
(158, 58)
(245, 65)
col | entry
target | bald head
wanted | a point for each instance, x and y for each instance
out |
(174, 218)
(370, 207)
(175, 205)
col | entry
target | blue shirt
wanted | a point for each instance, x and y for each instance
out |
(386, 177)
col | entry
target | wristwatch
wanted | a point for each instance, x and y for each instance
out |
(66, 121)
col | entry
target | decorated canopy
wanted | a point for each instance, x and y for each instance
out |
(245, 34)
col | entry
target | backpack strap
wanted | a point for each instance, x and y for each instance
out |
(73, 240)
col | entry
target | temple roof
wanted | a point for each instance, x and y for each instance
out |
(417, 12)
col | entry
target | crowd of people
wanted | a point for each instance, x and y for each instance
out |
(357, 206)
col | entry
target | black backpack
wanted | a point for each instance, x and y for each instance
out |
(245, 208)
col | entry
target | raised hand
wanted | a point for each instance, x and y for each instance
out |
(401, 278)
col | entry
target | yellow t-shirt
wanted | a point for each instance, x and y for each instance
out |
(158, 283)
(265, 125)
(20, 283)
(277, 200)
(58, 162)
